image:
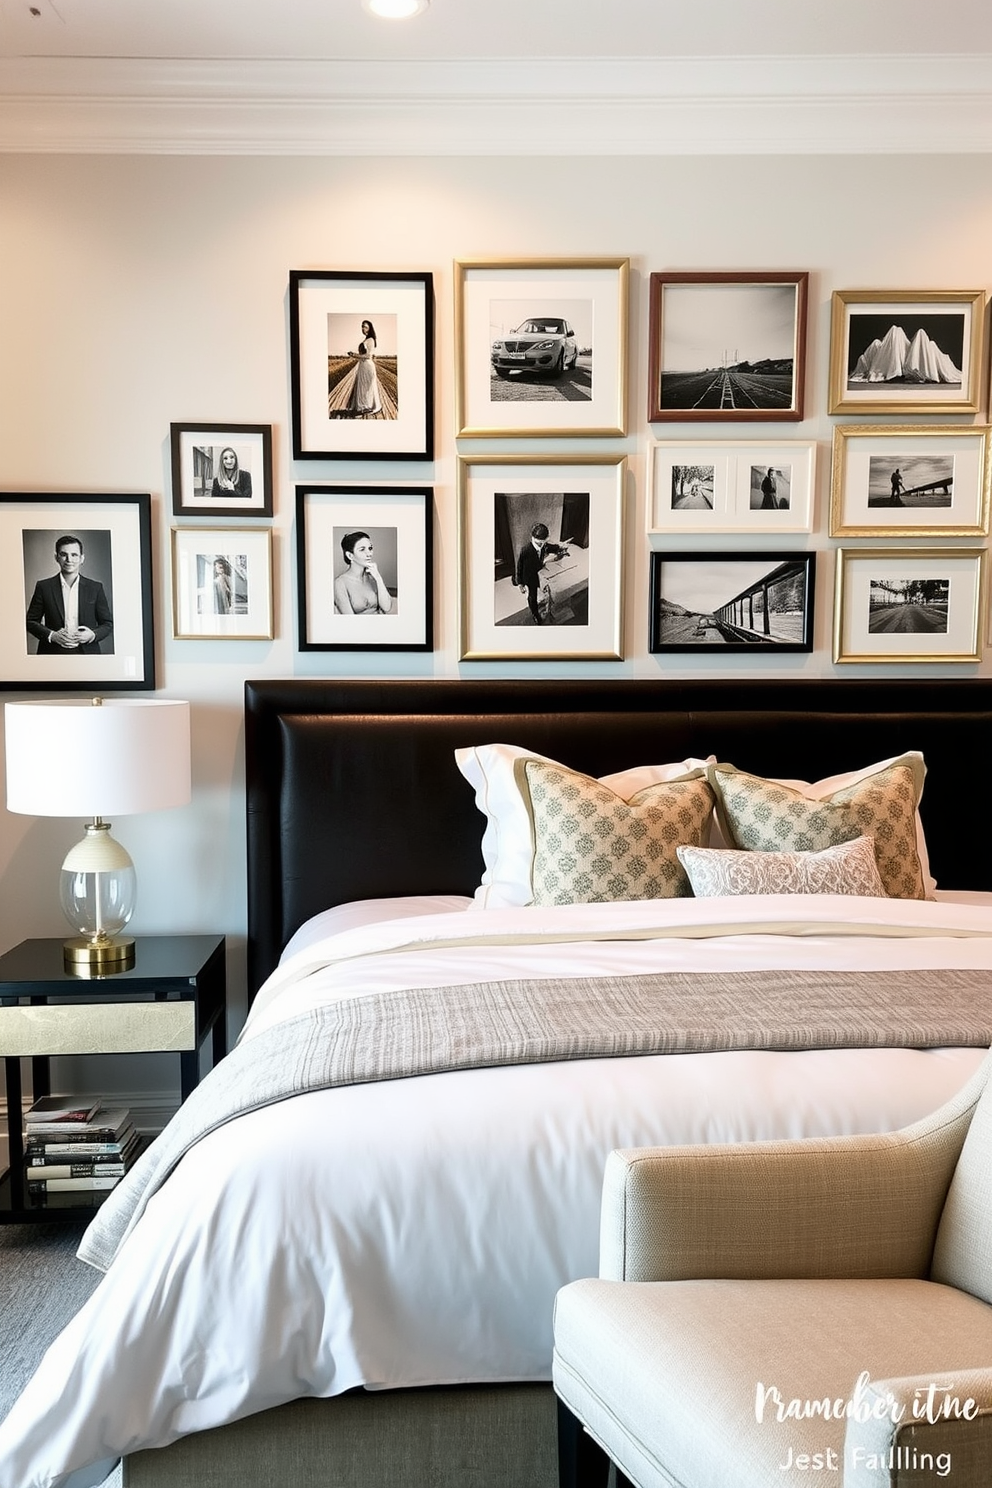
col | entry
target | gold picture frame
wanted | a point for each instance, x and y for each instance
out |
(892, 350)
(910, 480)
(526, 362)
(563, 602)
(909, 605)
(222, 584)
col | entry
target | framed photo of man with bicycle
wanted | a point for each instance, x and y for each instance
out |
(541, 543)
(910, 481)
(727, 348)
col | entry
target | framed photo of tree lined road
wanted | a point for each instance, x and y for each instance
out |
(362, 365)
(727, 348)
(906, 351)
(901, 604)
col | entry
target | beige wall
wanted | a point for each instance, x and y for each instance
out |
(135, 291)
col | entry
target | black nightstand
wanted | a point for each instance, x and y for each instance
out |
(173, 996)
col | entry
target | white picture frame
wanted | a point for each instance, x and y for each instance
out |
(222, 584)
(752, 485)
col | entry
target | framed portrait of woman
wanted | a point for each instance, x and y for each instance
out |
(365, 561)
(362, 365)
(221, 470)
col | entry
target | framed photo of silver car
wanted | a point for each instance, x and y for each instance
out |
(76, 611)
(727, 348)
(904, 605)
(760, 603)
(365, 568)
(362, 365)
(754, 486)
(541, 541)
(906, 350)
(221, 470)
(222, 584)
(910, 481)
(541, 346)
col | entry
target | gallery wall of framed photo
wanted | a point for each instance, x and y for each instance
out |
(504, 361)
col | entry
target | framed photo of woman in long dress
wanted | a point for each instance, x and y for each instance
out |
(362, 364)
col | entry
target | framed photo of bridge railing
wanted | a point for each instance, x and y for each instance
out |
(754, 602)
(727, 348)
(910, 481)
(362, 363)
(906, 604)
(906, 351)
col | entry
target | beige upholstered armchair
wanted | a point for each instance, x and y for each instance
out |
(813, 1312)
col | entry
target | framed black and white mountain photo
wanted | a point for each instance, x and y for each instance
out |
(906, 351)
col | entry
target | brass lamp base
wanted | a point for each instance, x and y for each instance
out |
(96, 958)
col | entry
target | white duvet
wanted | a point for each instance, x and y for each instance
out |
(416, 1231)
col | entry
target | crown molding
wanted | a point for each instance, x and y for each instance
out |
(499, 106)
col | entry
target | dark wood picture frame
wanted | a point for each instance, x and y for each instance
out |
(723, 347)
(697, 604)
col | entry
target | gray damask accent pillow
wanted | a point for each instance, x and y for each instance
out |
(763, 816)
(849, 868)
(591, 845)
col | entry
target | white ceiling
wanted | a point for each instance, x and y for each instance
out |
(496, 76)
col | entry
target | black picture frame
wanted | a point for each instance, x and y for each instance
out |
(332, 410)
(114, 535)
(197, 451)
(400, 522)
(697, 603)
(727, 347)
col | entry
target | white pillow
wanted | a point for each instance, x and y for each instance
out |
(817, 790)
(507, 842)
(848, 868)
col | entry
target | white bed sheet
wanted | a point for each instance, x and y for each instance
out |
(416, 1231)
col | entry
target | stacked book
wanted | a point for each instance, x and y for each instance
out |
(76, 1149)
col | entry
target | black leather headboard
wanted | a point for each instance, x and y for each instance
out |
(353, 793)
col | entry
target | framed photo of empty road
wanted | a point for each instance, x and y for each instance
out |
(362, 364)
(760, 603)
(901, 604)
(906, 350)
(910, 481)
(760, 486)
(727, 348)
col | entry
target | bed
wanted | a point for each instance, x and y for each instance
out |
(352, 795)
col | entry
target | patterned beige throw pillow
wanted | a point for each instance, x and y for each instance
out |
(590, 845)
(848, 868)
(760, 816)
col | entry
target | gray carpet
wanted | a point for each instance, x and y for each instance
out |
(41, 1285)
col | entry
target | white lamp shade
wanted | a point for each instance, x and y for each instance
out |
(74, 758)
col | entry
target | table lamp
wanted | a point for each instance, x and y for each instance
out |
(97, 758)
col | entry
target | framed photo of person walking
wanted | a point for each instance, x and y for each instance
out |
(910, 480)
(541, 539)
(76, 613)
(365, 568)
(221, 470)
(908, 605)
(761, 486)
(361, 349)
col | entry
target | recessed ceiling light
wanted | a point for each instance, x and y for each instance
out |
(395, 10)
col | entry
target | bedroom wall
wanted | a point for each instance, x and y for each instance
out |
(136, 291)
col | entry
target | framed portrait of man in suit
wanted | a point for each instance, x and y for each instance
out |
(79, 616)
